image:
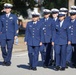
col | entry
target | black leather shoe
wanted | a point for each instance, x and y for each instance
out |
(30, 67)
(62, 69)
(3, 63)
(50, 64)
(54, 64)
(67, 64)
(34, 68)
(74, 65)
(7, 64)
(45, 66)
(57, 68)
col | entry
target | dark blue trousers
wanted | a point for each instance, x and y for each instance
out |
(45, 51)
(60, 55)
(74, 54)
(6, 47)
(33, 52)
(69, 53)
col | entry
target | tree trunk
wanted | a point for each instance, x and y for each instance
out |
(70, 3)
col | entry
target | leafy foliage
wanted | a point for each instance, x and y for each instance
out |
(20, 6)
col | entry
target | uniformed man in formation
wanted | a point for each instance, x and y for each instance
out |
(54, 38)
(47, 30)
(8, 32)
(54, 13)
(61, 40)
(73, 35)
(33, 39)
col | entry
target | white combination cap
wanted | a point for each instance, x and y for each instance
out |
(8, 5)
(63, 9)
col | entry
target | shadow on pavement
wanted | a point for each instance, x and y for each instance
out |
(40, 63)
(1, 63)
(23, 66)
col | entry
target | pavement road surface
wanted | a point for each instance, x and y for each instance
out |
(20, 66)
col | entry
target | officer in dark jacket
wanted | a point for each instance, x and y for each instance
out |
(61, 39)
(33, 39)
(54, 13)
(47, 29)
(8, 32)
(73, 36)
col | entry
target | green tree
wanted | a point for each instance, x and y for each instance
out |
(55, 3)
(20, 6)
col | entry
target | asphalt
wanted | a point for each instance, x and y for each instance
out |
(20, 66)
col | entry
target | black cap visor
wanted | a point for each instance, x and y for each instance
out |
(35, 15)
(46, 13)
(72, 14)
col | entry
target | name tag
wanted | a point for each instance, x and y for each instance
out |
(11, 18)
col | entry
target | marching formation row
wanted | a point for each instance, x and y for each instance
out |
(54, 38)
